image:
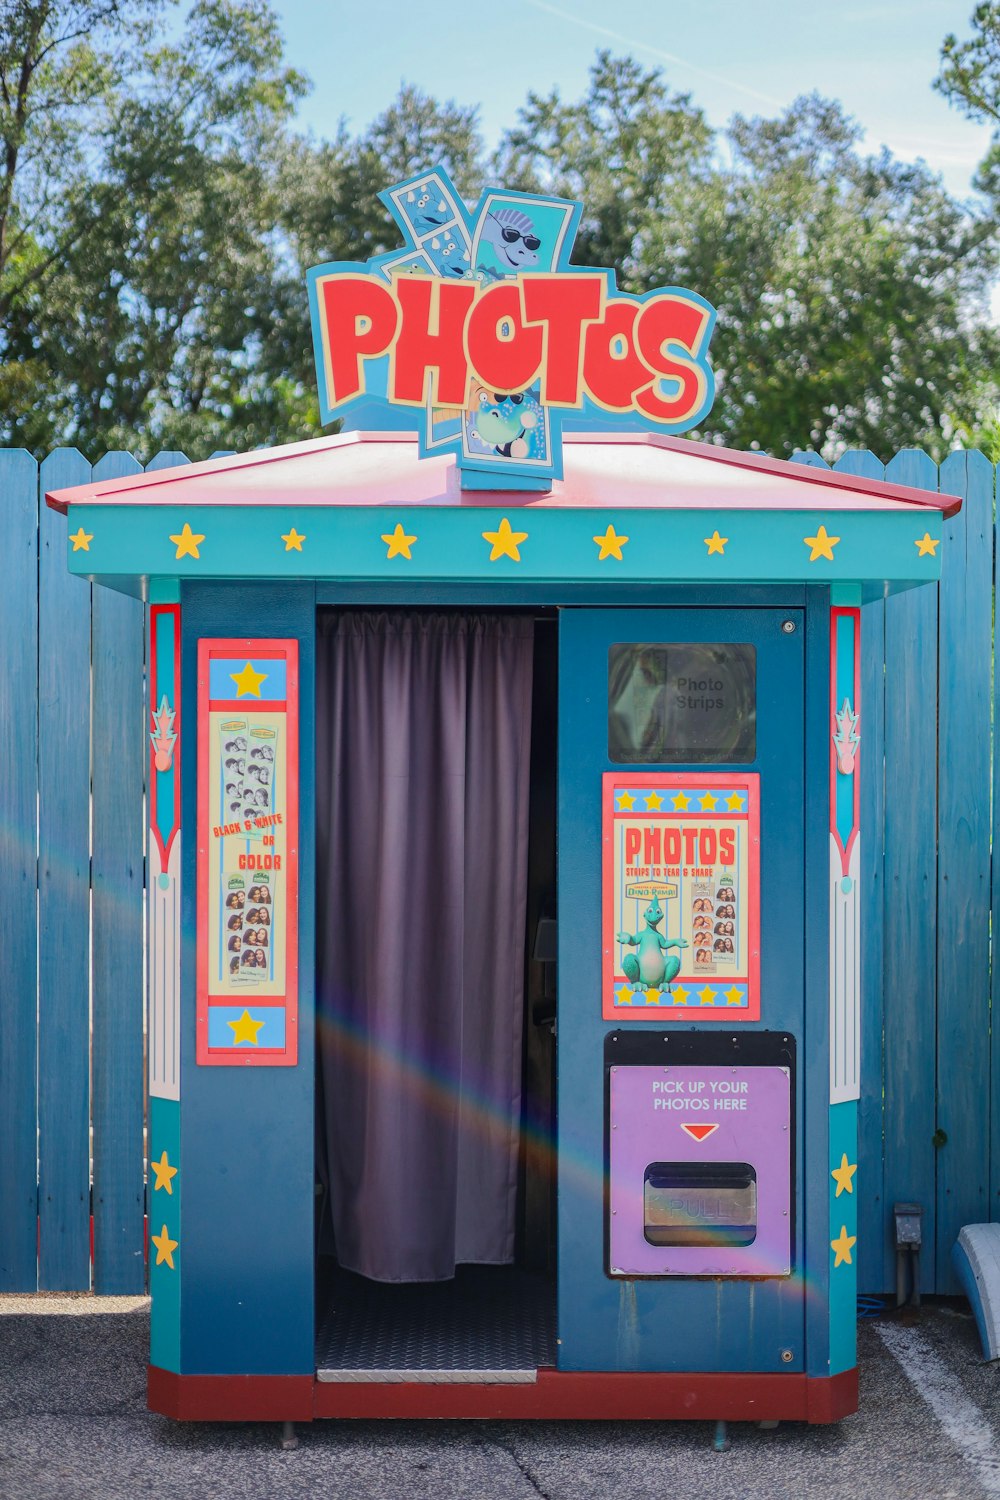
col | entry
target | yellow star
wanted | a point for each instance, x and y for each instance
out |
(821, 545)
(164, 1173)
(681, 801)
(245, 1029)
(504, 542)
(82, 540)
(248, 681)
(680, 994)
(293, 540)
(188, 542)
(708, 802)
(165, 1248)
(706, 996)
(926, 545)
(653, 802)
(734, 996)
(623, 996)
(716, 543)
(398, 542)
(625, 801)
(842, 1176)
(841, 1247)
(735, 802)
(611, 544)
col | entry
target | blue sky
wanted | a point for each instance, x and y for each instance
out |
(750, 56)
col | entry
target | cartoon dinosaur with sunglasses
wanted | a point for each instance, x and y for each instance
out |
(511, 234)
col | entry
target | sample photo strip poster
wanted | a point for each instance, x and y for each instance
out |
(248, 771)
(681, 896)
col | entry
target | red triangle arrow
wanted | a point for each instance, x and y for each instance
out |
(699, 1132)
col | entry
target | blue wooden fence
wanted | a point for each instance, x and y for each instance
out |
(72, 756)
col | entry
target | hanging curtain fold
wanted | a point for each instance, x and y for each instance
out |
(423, 738)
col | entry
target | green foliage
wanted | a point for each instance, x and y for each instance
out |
(158, 213)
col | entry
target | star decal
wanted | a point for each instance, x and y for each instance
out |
(821, 545)
(653, 802)
(165, 1248)
(504, 542)
(188, 542)
(293, 540)
(681, 995)
(706, 996)
(708, 802)
(735, 802)
(926, 545)
(245, 1029)
(248, 681)
(681, 801)
(164, 1174)
(611, 544)
(733, 996)
(398, 542)
(716, 543)
(841, 1247)
(623, 996)
(843, 1175)
(82, 540)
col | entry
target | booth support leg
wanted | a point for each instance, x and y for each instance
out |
(720, 1442)
(289, 1439)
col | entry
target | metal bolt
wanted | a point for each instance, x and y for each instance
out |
(787, 1356)
(788, 626)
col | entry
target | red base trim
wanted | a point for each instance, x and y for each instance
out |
(230, 1398)
(557, 1395)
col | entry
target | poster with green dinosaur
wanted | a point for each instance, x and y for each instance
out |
(681, 877)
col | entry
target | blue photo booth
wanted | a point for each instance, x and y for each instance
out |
(504, 864)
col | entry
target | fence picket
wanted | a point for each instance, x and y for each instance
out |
(963, 887)
(63, 896)
(909, 946)
(117, 878)
(18, 867)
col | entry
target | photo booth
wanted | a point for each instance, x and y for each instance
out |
(504, 866)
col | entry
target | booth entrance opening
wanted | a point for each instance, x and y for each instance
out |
(435, 955)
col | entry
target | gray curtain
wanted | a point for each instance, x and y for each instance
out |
(423, 739)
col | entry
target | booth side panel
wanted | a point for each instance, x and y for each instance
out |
(164, 721)
(843, 1212)
(165, 1187)
(843, 755)
(247, 1133)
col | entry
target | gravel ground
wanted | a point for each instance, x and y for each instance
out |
(73, 1423)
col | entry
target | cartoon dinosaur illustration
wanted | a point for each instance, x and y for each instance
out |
(650, 969)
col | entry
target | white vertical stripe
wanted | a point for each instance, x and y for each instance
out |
(845, 976)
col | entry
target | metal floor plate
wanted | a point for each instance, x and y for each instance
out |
(492, 1324)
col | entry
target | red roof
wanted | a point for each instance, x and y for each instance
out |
(601, 470)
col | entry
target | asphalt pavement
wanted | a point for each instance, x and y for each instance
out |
(73, 1423)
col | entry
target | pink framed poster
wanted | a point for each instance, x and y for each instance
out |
(248, 869)
(681, 896)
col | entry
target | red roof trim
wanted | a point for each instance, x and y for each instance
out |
(103, 490)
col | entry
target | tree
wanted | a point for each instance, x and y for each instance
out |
(137, 215)
(850, 290)
(969, 78)
(632, 152)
